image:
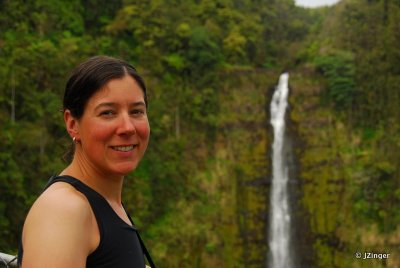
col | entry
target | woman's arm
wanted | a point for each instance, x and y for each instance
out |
(60, 230)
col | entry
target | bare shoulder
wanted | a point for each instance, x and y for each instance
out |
(59, 225)
(60, 201)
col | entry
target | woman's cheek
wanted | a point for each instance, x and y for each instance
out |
(143, 129)
(101, 131)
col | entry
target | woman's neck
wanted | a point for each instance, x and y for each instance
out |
(108, 185)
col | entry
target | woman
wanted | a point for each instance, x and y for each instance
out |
(79, 220)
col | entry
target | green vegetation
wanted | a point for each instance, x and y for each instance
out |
(345, 106)
(201, 192)
(338, 69)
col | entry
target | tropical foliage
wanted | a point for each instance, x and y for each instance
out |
(200, 194)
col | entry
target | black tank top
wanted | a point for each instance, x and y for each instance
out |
(120, 244)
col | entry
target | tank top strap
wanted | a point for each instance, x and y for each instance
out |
(97, 202)
(80, 186)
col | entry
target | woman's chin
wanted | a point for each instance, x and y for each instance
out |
(123, 169)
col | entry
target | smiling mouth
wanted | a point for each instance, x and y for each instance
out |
(124, 148)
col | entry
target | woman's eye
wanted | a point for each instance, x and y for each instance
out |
(137, 112)
(107, 113)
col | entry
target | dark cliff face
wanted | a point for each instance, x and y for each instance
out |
(244, 137)
(301, 235)
(316, 186)
(321, 200)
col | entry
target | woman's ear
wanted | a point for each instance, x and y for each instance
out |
(72, 125)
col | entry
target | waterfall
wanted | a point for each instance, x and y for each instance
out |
(279, 225)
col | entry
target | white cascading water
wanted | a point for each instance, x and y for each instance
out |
(279, 229)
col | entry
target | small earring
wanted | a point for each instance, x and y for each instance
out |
(74, 139)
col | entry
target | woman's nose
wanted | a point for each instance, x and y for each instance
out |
(126, 125)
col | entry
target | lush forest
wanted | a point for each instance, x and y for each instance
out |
(200, 196)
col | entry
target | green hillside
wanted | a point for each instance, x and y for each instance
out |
(201, 193)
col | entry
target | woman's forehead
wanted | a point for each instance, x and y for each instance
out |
(119, 89)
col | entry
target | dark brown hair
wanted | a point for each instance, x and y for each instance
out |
(92, 75)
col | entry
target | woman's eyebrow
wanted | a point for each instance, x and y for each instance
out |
(113, 105)
(138, 103)
(105, 104)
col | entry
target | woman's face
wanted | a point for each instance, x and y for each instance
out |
(114, 129)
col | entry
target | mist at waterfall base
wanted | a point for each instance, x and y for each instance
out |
(280, 255)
